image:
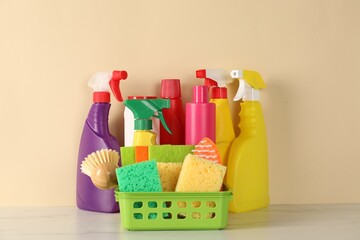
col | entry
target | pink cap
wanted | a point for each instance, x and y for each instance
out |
(170, 88)
(200, 94)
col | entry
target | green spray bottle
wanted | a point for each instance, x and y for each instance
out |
(143, 110)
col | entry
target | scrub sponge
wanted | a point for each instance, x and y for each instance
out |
(169, 153)
(127, 155)
(139, 177)
(200, 175)
(169, 174)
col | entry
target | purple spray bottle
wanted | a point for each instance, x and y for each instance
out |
(96, 136)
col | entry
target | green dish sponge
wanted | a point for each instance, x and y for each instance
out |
(169, 153)
(139, 177)
(127, 155)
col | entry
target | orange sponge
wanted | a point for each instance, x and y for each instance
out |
(208, 150)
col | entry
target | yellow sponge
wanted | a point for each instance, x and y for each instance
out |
(200, 175)
(169, 174)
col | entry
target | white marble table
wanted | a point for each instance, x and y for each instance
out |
(339, 221)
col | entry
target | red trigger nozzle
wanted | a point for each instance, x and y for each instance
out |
(119, 75)
(115, 83)
(208, 81)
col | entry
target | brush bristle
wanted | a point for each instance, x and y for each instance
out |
(94, 159)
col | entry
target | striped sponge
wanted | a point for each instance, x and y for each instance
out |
(139, 177)
(200, 175)
(208, 150)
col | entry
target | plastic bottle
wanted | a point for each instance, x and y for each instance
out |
(175, 115)
(96, 136)
(199, 117)
(217, 80)
(143, 110)
(129, 123)
(247, 173)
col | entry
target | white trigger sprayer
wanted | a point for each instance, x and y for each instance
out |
(249, 84)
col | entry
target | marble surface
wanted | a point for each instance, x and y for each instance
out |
(339, 221)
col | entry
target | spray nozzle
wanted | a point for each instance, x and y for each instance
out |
(102, 82)
(144, 109)
(115, 83)
(214, 77)
(250, 82)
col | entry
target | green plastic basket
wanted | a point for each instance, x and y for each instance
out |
(173, 210)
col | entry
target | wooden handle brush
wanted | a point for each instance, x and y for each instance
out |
(100, 167)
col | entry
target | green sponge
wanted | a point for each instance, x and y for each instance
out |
(127, 155)
(169, 153)
(139, 177)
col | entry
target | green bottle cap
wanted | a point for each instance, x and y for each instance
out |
(143, 124)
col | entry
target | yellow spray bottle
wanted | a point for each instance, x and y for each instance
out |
(247, 173)
(217, 79)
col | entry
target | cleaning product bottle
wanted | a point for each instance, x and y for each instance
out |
(217, 80)
(143, 110)
(199, 117)
(129, 123)
(175, 115)
(96, 136)
(247, 173)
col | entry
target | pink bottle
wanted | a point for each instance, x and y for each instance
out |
(199, 117)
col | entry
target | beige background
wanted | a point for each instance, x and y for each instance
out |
(307, 51)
